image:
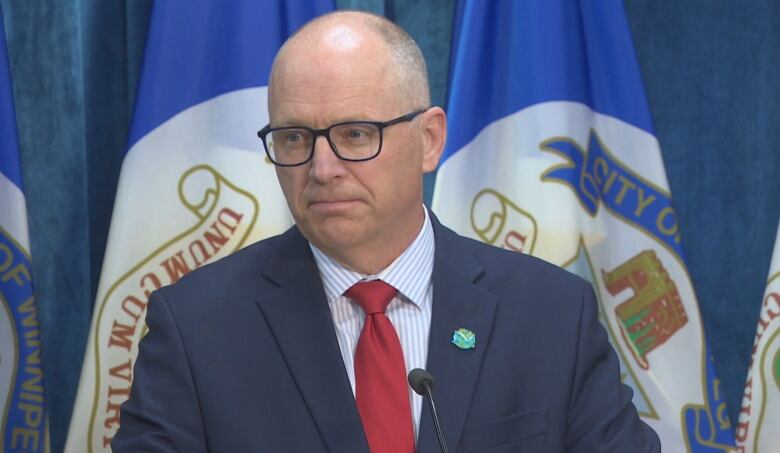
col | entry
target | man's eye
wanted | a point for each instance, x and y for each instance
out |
(293, 137)
(355, 134)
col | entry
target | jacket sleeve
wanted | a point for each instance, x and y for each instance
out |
(162, 413)
(601, 415)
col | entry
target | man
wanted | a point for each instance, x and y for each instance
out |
(278, 347)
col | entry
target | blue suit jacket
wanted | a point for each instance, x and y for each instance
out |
(241, 356)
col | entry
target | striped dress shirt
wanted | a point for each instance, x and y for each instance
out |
(409, 311)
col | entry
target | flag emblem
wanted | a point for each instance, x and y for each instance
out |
(500, 222)
(598, 177)
(654, 313)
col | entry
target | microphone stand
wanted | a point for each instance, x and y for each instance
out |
(429, 397)
(421, 382)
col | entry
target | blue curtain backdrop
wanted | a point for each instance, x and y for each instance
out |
(710, 71)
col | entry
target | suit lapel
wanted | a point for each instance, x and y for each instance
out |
(300, 320)
(457, 303)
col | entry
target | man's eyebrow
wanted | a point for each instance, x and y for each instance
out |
(346, 119)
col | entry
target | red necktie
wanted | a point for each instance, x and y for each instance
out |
(380, 375)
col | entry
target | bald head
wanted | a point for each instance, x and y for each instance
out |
(347, 32)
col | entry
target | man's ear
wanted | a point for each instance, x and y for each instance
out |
(434, 126)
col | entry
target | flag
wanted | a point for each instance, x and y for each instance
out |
(552, 152)
(194, 185)
(23, 419)
(758, 429)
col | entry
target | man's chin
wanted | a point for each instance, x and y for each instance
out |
(336, 237)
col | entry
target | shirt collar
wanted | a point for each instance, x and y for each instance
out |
(410, 273)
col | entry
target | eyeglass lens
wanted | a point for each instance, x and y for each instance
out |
(354, 141)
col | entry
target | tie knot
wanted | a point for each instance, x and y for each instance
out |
(373, 296)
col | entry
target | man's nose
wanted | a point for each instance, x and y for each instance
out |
(325, 164)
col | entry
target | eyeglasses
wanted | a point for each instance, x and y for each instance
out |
(353, 141)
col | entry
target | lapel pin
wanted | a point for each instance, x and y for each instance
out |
(464, 339)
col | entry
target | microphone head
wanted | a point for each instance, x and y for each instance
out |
(417, 380)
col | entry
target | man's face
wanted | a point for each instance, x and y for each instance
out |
(343, 206)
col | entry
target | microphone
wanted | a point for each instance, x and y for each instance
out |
(421, 382)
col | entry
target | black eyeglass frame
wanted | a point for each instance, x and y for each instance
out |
(381, 125)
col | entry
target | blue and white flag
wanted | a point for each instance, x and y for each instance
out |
(195, 184)
(23, 419)
(552, 152)
(758, 429)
